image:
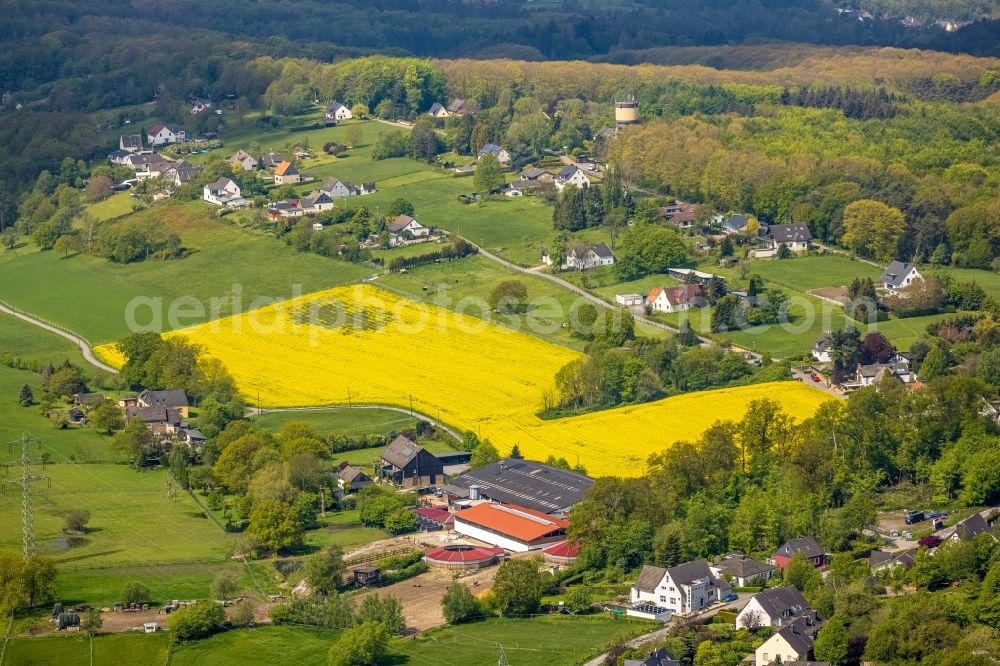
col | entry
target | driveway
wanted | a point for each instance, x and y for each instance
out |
(806, 378)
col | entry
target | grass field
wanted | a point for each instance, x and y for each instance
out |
(165, 581)
(74, 650)
(132, 518)
(91, 295)
(392, 351)
(351, 422)
(541, 641)
(114, 206)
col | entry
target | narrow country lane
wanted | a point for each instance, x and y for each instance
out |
(88, 353)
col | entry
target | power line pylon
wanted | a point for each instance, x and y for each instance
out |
(503, 658)
(25, 479)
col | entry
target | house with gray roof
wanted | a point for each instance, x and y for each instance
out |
(809, 548)
(735, 224)
(743, 571)
(970, 528)
(351, 479)
(406, 464)
(880, 560)
(898, 276)
(661, 657)
(791, 643)
(583, 257)
(796, 237)
(774, 608)
(169, 398)
(685, 588)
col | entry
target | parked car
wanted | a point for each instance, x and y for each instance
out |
(815, 377)
(913, 517)
(732, 596)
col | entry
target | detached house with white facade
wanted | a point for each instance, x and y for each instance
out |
(898, 276)
(589, 256)
(774, 608)
(223, 192)
(685, 588)
(571, 175)
(161, 134)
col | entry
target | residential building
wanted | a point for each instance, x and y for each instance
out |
(793, 642)
(160, 420)
(535, 175)
(808, 546)
(866, 375)
(243, 160)
(676, 299)
(509, 526)
(685, 588)
(131, 143)
(161, 134)
(316, 202)
(571, 175)
(821, 348)
(691, 275)
(969, 528)
(271, 160)
(796, 237)
(774, 608)
(221, 192)
(438, 110)
(351, 479)
(679, 215)
(501, 153)
(584, 257)
(743, 571)
(407, 464)
(286, 174)
(661, 657)
(528, 483)
(879, 560)
(735, 224)
(405, 228)
(285, 208)
(169, 398)
(337, 112)
(344, 188)
(461, 107)
(898, 276)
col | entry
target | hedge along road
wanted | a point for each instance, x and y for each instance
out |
(84, 346)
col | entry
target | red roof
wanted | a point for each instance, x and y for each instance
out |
(685, 293)
(433, 513)
(564, 549)
(462, 553)
(511, 520)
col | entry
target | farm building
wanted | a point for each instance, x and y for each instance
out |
(434, 518)
(463, 557)
(563, 553)
(407, 464)
(365, 575)
(531, 484)
(515, 528)
(351, 479)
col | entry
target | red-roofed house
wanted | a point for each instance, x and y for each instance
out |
(509, 526)
(676, 299)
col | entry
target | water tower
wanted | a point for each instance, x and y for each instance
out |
(626, 111)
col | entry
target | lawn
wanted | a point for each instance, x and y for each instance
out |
(355, 423)
(367, 457)
(28, 341)
(114, 206)
(815, 271)
(133, 519)
(988, 280)
(73, 650)
(541, 641)
(165, 582)
(228, 271)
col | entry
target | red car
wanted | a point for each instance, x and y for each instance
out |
(815, 377)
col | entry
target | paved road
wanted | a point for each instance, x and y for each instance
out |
(253, 411)
(88, 354)
(806, 378)
(572, 287)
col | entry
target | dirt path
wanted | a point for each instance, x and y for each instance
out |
(80, 342)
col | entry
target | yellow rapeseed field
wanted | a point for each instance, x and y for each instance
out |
(367, 345)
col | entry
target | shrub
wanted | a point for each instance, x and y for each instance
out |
(198, 621)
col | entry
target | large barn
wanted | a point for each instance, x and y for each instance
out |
(515, 528)
(527, 483)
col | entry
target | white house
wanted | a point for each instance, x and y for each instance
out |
(221, 192)
(773, 608)
(316, 202)
(866, 375)
(676, 299)
(792, 643)
(438, 111)
(796, 237)
(821, 348)
(405, 225)
(338, 112)
(685, 588)
(131, 143)
(243, 160)
(898, 276)
(501, 154)
(160, 135)
(571, 175)
(592, 256)
(735, 224)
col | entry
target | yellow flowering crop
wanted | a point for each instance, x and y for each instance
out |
(367, 345)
